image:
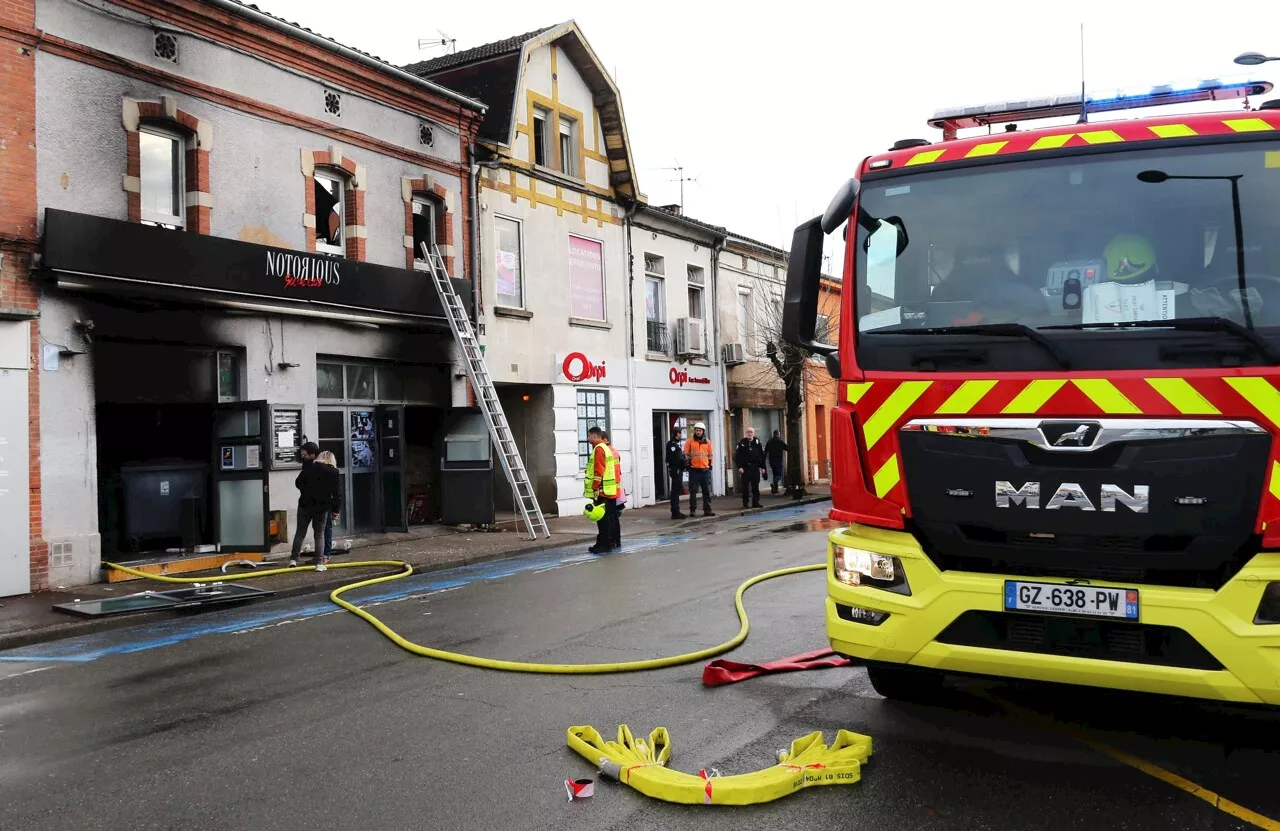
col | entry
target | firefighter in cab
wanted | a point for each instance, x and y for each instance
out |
(748, 458)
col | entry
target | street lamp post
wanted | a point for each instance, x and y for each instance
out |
(1253, 59)
(1155, 177)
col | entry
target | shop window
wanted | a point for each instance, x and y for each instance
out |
(329, 381)
(593, 411)
(568, 146)
(540, 118)
(361, 383)
(424, 229)
(228, 376)
(161, 154)
(510, 265)
(586, 278)
(330, 214)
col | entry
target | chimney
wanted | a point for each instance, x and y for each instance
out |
(675, 209)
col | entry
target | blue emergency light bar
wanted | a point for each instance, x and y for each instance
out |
(1104, 101)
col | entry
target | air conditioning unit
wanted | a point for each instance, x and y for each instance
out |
(734, 353)
(689, 339)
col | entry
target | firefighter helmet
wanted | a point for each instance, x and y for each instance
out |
(1130, 258)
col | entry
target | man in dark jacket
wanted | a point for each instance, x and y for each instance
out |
(748, 458)
(675, 473)
(774, 449)
(319, 495)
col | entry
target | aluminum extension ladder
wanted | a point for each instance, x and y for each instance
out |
(499, 430)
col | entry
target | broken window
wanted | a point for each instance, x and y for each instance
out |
(330, 209)
(424, 229)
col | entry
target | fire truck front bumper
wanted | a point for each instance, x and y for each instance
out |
(887, 602)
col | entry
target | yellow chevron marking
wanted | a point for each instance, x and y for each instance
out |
(856, 391)
(1259, 393)
(1172, 130)
(1033, 397)
(1104, 393)
(1101, 136)
(892, 409)
(1184, 397)
(964, 398)
(1275, 479)
(925, 157)
(989, 148)
(1247, 125)
(1051, 142)
(1271, 159)
(887, 476)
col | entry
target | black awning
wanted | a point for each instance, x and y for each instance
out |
(93, 246)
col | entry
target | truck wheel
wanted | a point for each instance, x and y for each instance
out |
(901, 683)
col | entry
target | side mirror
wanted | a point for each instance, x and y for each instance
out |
(833, 364)
(838, 211)
(804, 277)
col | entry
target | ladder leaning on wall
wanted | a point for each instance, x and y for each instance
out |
(464, 334)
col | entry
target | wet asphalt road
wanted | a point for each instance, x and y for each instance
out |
(287, 715)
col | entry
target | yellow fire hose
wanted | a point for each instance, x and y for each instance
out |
(809, 761)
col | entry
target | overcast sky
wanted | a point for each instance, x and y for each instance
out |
(772, 111)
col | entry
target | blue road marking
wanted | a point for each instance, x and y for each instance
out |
(167, 633)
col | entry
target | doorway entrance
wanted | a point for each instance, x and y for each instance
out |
(667, 423)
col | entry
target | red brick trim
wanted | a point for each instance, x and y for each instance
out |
(443, 215)
(196, 161)
(113, 63)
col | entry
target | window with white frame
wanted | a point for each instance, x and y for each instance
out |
(697, 287)
(655, 303)
(424, 229)
(539, 127)
(593, 411)
(510, 262)
(568, 146)
(745, 329)
(330, 214)
(161, 154)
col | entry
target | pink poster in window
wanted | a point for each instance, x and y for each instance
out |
(586, 278)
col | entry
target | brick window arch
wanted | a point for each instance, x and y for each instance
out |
(148, 125)
(420, 193)
(335, 192)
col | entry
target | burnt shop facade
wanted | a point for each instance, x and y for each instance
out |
(182, 372)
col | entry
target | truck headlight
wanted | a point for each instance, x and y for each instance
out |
(856, 567)
(1269, 608)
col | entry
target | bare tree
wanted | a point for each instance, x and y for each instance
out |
(772, 360)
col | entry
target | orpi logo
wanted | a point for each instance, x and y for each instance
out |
(577, 367)
(680, 377)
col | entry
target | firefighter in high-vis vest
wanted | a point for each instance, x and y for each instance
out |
(700, 452)
(600, 484)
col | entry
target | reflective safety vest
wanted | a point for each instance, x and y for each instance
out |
(699, 453)
(610, 479)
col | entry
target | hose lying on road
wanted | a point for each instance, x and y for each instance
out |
(406, 570)
(642, 765)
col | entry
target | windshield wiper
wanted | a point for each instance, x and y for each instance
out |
(1001, 330)
(1189, 324)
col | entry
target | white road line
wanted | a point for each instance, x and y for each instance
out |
(25, 672)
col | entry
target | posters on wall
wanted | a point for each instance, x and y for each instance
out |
(286, 437)
(586, 278)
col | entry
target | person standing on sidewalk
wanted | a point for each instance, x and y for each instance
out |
(774, 449)
(700, 452)
(318, 494)
(601, 485)
(676, 463)
(748, 458)
(327, 458)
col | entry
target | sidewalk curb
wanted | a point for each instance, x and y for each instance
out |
(76, 628)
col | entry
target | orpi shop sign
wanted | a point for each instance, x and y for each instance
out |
(577, 367)
(680, 377)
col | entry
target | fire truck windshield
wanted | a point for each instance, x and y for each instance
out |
(1089, 242)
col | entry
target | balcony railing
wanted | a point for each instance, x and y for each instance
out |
(656, 337)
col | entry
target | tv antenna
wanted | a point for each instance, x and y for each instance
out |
(450, 44)
(681, 178)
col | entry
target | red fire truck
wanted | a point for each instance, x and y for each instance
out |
(1057, 452)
